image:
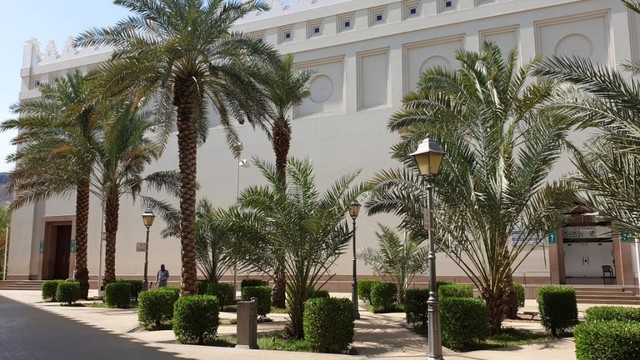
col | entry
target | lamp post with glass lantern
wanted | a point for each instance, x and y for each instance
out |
(429, 157)
(147, 219)
(354, 210)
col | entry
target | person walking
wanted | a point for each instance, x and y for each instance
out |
(162, 277)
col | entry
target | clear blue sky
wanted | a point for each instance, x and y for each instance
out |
(45, 20)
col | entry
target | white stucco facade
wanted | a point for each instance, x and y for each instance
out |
(367, 55)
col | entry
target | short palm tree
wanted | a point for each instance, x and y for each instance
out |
(296, 222)
(213, 243)
(123, 151)
(608, 177)
(57, 137)
(396, 261)
(501, 147)
(285, 88)
(185, 54)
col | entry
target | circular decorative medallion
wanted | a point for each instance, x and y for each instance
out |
(321, 89)
(435, 61)
(574, 45)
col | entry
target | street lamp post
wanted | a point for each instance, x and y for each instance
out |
(429, 157)
(354, 209)
(237, 148)
(147, 219)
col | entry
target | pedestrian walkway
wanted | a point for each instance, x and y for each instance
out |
(377, 336)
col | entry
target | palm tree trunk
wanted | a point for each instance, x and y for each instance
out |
(82, 221)
(297, 297)
(511, 298)
(111, 230)
(184, 90)
(281, 143)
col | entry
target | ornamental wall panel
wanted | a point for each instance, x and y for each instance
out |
(506, 38)
(422, 55)
(326, 87)
(585, 36)
(373, 79)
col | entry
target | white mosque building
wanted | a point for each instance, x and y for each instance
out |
(367, 55)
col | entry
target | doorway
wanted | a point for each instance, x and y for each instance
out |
(57, 251)
(584, 261)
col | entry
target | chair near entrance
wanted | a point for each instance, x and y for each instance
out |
(608, 273)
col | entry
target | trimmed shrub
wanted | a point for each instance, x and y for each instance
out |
(68, 292)
(612, 313)
(195, 319)
(49, 288)
(202, 287)
(415, 307)
(118, 294)
(607, 340)
(464, 322)
(328, 324)
(455, 290)
(519, 289)
(319, 294)
(156, 307)
(262, 294)
(558, 308)
(136, 287)
(383, 296)
(253, 282)
(225, 293)
(442, 283)
(364, 289)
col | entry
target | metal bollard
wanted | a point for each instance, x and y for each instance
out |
(247, 325)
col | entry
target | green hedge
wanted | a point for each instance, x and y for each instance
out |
(262, 294)
(608, 340)
(319, 294)
(464, 322)
(68, 292)
(612, 313)
(156, 307)
(455, 290)
(118, 294)
(415, 307)
(253, 282)
(202, 287)
(364, 289)
(558, 308)
(519, 289)
(225, 293)
(383, 296)
(136, 287)
(49, 288)
(328, 324)
(196, 319)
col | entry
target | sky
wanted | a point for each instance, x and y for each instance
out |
(45, 20)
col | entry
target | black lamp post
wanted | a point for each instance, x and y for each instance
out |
(354, 210)
(147, 219)
(429, 157)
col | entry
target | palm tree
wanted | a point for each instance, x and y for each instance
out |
(295, 221)
(285, 88)
(185, 54)
(5, 222)
(57, 137)
(609, 166)
(213, 243)
(501, 147)
(123, 151)
(395, 261)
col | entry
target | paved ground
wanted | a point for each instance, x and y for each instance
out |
(31, 329)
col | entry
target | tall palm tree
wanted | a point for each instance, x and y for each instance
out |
(501, 147)
(57, 137)
(608, 177)
(123, 151)
(286, 87)
(296, 221)
(185, 53)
